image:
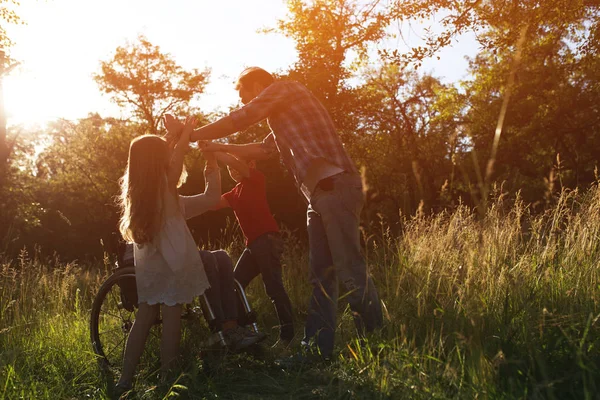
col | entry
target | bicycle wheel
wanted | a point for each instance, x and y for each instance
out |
(113, 313)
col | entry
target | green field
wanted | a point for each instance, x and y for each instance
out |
(503, 306)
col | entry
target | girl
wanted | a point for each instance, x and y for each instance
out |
(168, 267)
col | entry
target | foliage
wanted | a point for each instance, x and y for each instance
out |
(19, 206)
(405, 138)
(148, 81)
(7, 15)
(506, 19)
(552, 127)
(77, 179)
(326, 32)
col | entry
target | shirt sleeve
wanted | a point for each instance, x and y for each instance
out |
(201, 203)
(260, 107)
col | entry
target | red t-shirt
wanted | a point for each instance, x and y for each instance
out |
(248, 199)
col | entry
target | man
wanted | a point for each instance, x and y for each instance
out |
(304, 134)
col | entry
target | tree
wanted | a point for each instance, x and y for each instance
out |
(76, 181)
(554, 86)
(19, 205)
(325, 32)
(407, 137)
(7, 15)
(506, 18)
(552, 121)
(150, 82)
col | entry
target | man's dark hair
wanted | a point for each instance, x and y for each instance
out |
(252, 75)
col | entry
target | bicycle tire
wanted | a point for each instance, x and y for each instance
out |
(110, 321)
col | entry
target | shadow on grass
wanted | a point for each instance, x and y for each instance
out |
(242, 376)
(251, 376)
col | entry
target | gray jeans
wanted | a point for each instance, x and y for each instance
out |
(263, 256)
(221, 295)
(333, 219)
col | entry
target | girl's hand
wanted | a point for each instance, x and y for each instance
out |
(174, 128)
(188, 128)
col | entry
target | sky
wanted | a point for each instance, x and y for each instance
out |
(61, 45)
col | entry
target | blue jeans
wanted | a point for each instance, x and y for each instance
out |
(333, 219)
(221, 295)
(262, 256)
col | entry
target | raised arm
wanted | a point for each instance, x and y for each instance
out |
(181, 147)
(255, 111)
(251, 151)
(210, 199)
(234, 163)
(223, 203)
(215, 130)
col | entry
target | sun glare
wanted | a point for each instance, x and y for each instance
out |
(63, 41)
(31, 100)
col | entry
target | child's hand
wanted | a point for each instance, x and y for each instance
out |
(206, 146)
(174, 128)
(188, 128)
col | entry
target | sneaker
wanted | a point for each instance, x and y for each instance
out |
(261, 336)
(122, 390)
(239, 338)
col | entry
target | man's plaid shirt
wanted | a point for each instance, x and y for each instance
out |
(301, 128)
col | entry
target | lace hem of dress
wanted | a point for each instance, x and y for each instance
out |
(171, 299)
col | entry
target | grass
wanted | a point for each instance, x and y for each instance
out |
(504, 306)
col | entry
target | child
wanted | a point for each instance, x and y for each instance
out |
(169, 270)
(264, 246)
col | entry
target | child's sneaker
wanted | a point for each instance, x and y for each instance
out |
(239, 338)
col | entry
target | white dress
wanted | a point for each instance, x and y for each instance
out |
(169, 270)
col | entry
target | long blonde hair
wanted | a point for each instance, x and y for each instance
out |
(142, 188)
